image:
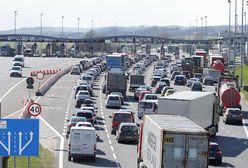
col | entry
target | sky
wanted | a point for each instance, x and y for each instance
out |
(106, 13)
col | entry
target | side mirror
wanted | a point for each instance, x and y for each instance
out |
(73, 114)
(67, 120)
(110, 116)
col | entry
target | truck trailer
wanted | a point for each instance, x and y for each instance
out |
(135, 81)
(200, 107)
(171, 141)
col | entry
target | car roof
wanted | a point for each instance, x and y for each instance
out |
(81, 122)
(83, 111)
(113, 95)
(78, 117)
(232, 109)
(148, 101)
(122, 112)
(213, 143)
(128, 124)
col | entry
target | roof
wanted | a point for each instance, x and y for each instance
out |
(83, 128)
(187, 95)
(128, 124)
(175, 123)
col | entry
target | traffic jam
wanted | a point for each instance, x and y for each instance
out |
(165, 111)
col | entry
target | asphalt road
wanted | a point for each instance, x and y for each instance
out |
(58, 106)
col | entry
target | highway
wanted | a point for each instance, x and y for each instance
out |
(58, 105)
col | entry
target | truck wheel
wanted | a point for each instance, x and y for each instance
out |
(93, 159)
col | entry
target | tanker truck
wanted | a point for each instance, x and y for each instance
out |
(228, 93)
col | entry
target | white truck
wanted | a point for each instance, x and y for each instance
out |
(172, 141)
(216, 74)
(199, 107)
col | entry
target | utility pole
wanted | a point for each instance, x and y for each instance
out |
(206, 24)
(229, 34)
(235, 33)
(242, 46)
(62, 26)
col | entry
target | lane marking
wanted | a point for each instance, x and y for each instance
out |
(245, 128)
(112, 148)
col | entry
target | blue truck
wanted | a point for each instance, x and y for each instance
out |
(116, 60)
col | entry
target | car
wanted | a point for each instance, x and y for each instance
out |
(148, 88)
(165, 80)
(88, 114)
(142, 94)
(150, 97)
(127, 132)
(121, 96)
(170, 92)
(113, 101)
(94, 111)
(19, 59)
(159, 87)
(165, 88)
(196, 86)
(233, 115)
(81, 96)
(72, 122)
(173, 75)
(215, 153)
(155, 79)
(208, 80)
(180, 80)
(81, 88)
(191, 80)
(174, 68)
(88, 78)
(75, 71)
(186, 73)
(16, 71)
(84, 124)
(199, 76)
(137, 93)
(147, 107)
(120, 117)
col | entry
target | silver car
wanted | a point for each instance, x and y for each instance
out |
(113, 101)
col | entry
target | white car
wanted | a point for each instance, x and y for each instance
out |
(113, 101)
(84, 124)
(82, 95)
(16, 71)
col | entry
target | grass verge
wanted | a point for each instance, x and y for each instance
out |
(45, 159)
(245, 78)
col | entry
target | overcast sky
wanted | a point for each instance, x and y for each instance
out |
(107, 12)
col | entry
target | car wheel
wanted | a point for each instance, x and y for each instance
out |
(93, 159)
(219, 162)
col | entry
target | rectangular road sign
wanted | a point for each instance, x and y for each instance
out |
(19, 137)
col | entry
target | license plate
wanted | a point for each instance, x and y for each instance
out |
(234, 116)
(211, 157)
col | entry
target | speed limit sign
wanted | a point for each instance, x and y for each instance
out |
(40, 76)
(34, 109)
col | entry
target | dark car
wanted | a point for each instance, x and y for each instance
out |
(196, 86)
(215, 154)
(159, 87)
(155, 79)
(127, 132)
(180, 80)
(199, 76)
(174, 74)
(208, 80)
(191, 80)
(166, 80)
(233, 115)
(186, 73)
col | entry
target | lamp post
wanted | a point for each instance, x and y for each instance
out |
(78, 26)
(15, 21)
(62, 26)
(235, 33)
(229, 33)
(41, 23)
(189, 30)
(201, 28)
(196, 28)
(206, 24)
(242, 46)
(92, 22)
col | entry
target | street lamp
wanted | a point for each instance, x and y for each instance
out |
(242, 46)
(78, 27)
(189, 30)
(229, 33)
(15, 20)
(206, 24)
(235, 33)
(201, 28)
(41, 23)
(62, 26)
(196, 28)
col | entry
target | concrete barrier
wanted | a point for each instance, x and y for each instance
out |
(59, 73)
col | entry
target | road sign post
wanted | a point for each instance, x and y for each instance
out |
(19, 137)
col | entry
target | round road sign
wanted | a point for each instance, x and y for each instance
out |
(30, 81)
(40, 76)
(34, 109)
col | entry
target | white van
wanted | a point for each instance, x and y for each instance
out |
(19, 59)
(82, 143)
(147, 107)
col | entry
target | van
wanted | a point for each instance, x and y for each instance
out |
(19, 59)
(82, 143)
(147, 107)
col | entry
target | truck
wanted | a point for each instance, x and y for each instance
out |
(116, 60)
(216, 74)
(135, 81)
(228, 93)
(200, 107)
(116, 81)
(171, 141)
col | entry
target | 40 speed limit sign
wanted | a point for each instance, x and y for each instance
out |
(34, 109)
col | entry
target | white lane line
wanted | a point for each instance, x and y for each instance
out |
(107, 135)
(110, 142)
(112, 149)
(62, 141)
(245, 128)
(12, 88)
(115, 159)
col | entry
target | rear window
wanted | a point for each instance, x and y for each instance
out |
(234, 111)
(113, 98)
(151, 97)
(122, 117)
(78, 119)
(146, 105)
(18, 59)
(86, 115)
(83, 93)
(128, 128)
(87, 78)
(179, 78)
(156, 79)
(214, 147)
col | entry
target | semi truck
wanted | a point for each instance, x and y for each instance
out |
(200, 107)
(116, 81)
(116, 60)
(135, 81)
(171, 141)
(216, 74)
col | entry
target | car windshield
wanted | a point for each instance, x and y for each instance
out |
(83, 93)
(16, 68)
(113, 98)
(129, 128)
(122, 116)
(234, 111)
(78, 119)
(18, 59)
(146, 105)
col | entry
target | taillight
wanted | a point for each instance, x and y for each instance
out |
(71, 125)
(219, 152)
(241, 115)
(69, 147)
(95, 147)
